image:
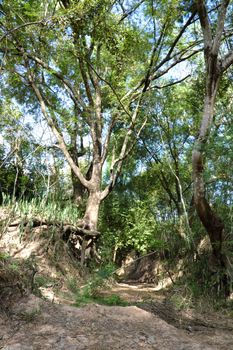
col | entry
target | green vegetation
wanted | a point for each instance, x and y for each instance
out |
(91, 292)
(111, 300)
(53, 211)
(30, 316)
(43, 281)
(16, 276)
(116, 135)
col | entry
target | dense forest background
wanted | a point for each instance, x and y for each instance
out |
(116, 118)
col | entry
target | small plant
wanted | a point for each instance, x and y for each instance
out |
(111, 300)
(72, 284)
(182, 300)
(91, 292)
(31, 315)
(14, 266)
(43, 281)
(4, 256)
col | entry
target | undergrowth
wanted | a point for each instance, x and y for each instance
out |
(16, 276)
(200, 287)
(48, 210)
(91, 292)
(110, 300)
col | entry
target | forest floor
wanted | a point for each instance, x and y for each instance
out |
(35, 324)
(149, 321)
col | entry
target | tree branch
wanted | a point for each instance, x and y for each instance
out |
(107, 141)
(175, 42)
(134, 8)
(220, 26)
(54, 128)
(162, 86)
(205, 24)
(58, 75)
(125, 151)
(227, 61)
(10, 31)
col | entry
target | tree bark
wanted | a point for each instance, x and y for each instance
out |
(210, 220)
(89, 222)
(216, 65)
(90, 219)
(1, 196)
(213, 225)
(214, 71)
(78, 189)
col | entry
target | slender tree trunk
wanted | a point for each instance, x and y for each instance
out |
(216, 64)
(78, 188)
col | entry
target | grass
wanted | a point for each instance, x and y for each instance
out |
(43, 281)
(15, 275)
(31, 315)
(48, 210)
(91, 292)
(111, 300)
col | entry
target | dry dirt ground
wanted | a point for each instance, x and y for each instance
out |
(36, 324)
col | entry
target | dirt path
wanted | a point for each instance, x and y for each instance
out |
(36, 324)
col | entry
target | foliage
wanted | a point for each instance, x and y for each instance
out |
(95, 284)
(16, 276)
(111, 300)
(43, 281)
(30, 315)
(53, 211)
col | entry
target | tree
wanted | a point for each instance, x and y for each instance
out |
(216, 65)
(89, 66)
(21, 157)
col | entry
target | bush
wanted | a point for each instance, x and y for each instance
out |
(91, 291)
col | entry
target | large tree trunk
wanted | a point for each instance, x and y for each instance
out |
(78, 189)
(212, 223)
(216, 64)
(90, 219)
(89, 222)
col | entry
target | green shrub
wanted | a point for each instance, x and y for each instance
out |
(91, 291)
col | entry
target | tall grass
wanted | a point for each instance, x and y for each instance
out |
(50, 210)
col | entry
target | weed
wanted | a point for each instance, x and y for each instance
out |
(91, 291)
(31, 315)
(73, 285)
(14, 266)
(4, 256)
(111, 300)
(182, 300)
(43, 281)
(49, 210)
